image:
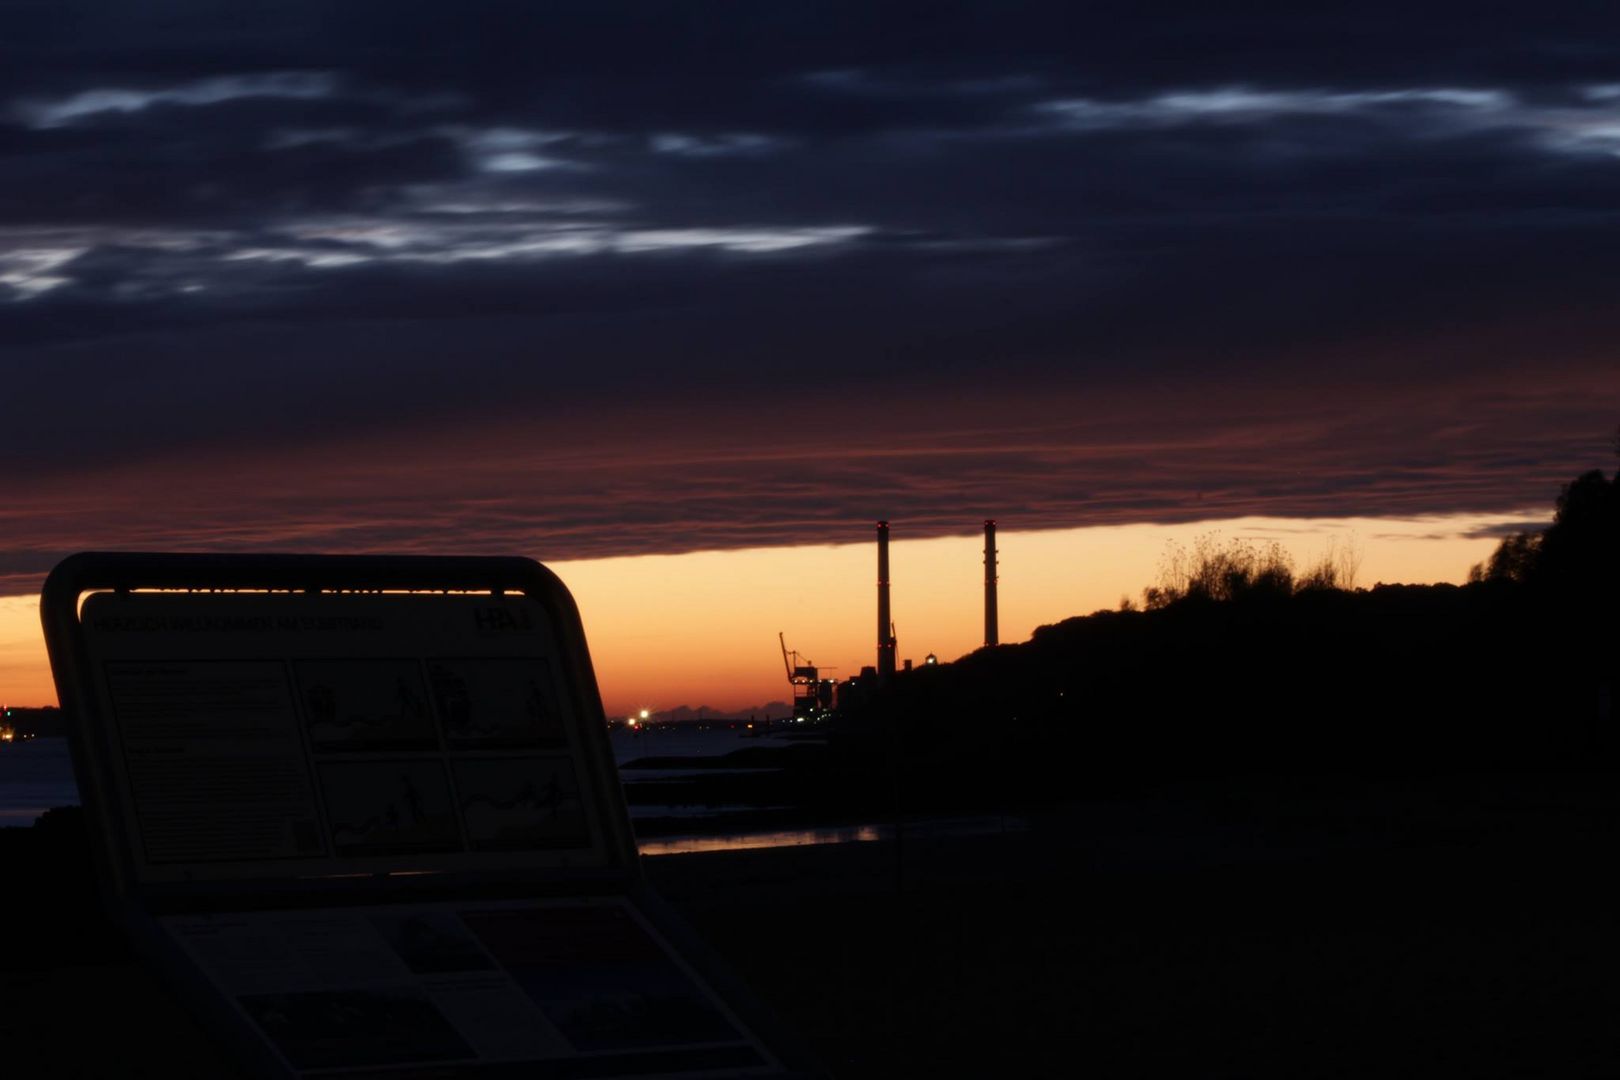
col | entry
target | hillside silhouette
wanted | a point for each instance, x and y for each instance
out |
(1238, 665)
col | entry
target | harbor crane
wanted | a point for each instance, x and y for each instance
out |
(812, 695)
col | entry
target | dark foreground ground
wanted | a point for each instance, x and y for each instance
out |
(1456, 926)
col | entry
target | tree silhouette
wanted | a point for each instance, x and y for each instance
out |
(1581, 549)
(1577, 557)
(1513, 560)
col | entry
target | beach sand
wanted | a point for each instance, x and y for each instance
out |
(1461, 930)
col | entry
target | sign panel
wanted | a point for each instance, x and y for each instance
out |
(316, 735)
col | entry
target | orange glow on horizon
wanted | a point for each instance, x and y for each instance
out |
(700, 629)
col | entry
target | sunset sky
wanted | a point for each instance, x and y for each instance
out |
(680, 298)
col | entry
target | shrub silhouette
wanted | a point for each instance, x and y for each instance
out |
(1238, 570)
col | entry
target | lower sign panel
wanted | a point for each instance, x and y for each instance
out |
(575, 988)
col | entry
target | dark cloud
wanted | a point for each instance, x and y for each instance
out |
(229, 236)
(641, 480)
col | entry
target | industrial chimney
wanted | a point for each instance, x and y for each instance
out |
(992, 628)
(885, 625)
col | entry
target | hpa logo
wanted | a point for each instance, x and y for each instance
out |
(503, 620)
